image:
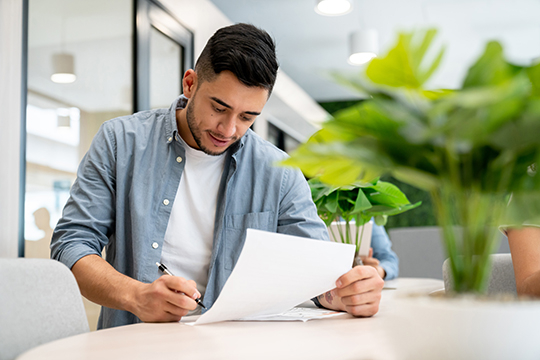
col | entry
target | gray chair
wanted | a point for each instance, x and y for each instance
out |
(420, 251)
(40, 302)
(501, 280)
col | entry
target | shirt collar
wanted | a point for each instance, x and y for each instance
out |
(171, 126)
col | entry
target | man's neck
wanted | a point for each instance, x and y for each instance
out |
(183, 128)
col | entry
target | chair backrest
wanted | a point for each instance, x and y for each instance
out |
(501, 280)
(40, 302)
(421, 253)
(419, 250)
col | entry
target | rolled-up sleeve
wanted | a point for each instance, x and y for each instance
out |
(382, 251)
(88, 216)
(297, 212)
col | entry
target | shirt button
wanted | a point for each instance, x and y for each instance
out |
(155, 245)
(179, 159)
(169, 139)
(165, 202)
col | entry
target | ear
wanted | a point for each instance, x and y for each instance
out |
(189, 83)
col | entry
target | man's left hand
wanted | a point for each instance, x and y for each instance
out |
(357, 292)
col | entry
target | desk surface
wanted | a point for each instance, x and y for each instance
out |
(343, 337)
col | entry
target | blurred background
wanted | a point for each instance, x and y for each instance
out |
(91, 61)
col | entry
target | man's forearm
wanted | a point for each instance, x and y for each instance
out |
(101, 283)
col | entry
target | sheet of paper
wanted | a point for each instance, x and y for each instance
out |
(297, 314)
(276, 272)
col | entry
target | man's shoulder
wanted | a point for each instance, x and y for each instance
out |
(135, 121)
(261, 149)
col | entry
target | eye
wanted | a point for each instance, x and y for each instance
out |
(246, 118)
(219, 110)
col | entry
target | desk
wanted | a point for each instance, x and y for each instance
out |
(343, 337)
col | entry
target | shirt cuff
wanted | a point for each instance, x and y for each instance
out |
(317, 303)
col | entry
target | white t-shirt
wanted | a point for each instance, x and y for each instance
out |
(187, 247)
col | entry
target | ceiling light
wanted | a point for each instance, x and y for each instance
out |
(63, 68)
(333, 7)
(363, 46)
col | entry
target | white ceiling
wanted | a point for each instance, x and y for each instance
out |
(310, 45)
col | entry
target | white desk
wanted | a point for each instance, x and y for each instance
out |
(343, 337)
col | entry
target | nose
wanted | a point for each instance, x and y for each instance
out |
(227, 127)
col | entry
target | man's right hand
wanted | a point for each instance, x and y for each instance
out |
(166, 299)
(161, 301)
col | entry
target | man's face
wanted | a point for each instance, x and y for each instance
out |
(219, 112)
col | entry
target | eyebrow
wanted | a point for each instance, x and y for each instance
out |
(222, 103)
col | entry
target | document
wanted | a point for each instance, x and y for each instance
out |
(297, 314)
(276, 272)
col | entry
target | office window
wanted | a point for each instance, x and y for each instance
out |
(281, 139)
(90, 43)
(166, 69)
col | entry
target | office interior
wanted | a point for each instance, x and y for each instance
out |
(130, 55)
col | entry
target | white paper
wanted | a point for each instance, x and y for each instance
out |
(276, 272)
(297, 314)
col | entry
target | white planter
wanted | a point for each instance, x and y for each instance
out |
(431, 328)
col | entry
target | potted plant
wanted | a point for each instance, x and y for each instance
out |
(355, 205)
(471, 148)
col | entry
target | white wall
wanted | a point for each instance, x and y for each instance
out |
(10, 124)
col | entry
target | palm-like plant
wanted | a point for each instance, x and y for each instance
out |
(471, 148)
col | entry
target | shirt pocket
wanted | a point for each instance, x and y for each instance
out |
(235, 232)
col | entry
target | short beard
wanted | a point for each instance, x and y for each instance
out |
(196, 132)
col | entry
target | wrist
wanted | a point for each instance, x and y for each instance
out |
(381, 271)
(131, 299)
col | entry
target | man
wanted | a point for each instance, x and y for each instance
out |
(181, 186)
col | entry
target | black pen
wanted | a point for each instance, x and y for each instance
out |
(166, 271)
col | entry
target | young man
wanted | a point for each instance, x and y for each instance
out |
(181, 186)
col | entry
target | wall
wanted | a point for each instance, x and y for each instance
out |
(10, 124)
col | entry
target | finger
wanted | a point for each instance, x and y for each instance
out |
(355, 274)
(181, 301)
(371, 262)
(370, 252)
(374, 283)
(363, 310)
(179, 284)
(361, 299)
(174, 310)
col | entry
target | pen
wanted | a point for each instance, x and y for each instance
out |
(166, 271)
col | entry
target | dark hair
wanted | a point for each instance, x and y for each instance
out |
(245, 50)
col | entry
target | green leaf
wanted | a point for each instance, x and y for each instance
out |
(331, 203)
(490, 69)
(405, 63)
(361, 203)
(534, 76)
(380, 220)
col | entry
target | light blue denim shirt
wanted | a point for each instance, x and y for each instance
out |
(126, 185)
(382, 251)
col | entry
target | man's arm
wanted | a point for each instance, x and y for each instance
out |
(161, 301)
(357, 292)
(382, 258)
(374, 262)
(525, 248)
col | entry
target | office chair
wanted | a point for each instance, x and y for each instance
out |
(40, 302)
(501, 280)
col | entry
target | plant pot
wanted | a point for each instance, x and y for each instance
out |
(464, 327)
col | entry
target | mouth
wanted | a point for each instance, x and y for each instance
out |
(217, 141)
